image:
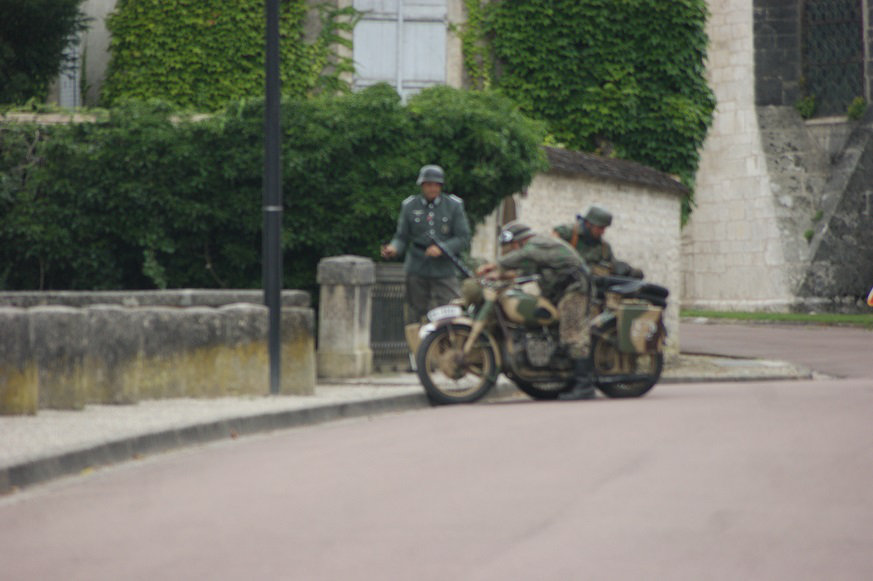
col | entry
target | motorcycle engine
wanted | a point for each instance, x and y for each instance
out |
(539, 348)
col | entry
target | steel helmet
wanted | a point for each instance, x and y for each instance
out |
(598, 216)
(515, 231)
(431, 173)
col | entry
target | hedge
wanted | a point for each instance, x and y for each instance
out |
(142, 200)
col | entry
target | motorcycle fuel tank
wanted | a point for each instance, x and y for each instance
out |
(528, 310)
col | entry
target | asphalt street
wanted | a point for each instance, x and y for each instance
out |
(736, 479)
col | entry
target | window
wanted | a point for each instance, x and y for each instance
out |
(401, 42)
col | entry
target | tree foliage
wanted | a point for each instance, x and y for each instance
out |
(201, 54)
(142, 200)
(625, 77)
(33, 37)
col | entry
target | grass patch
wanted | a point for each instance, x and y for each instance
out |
(862, 320)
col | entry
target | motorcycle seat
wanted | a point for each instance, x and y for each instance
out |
(638, 289)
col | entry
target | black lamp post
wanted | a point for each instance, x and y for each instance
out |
(272, 201)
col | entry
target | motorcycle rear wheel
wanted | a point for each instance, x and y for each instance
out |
(609, 361)
(450, 377)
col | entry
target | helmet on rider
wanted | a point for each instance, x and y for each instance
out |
(515, 232)
(597, 216)
(431, 173)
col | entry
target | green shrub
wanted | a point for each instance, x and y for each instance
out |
(857, 108)
(806, 106)
(143, 201)
(33, 37)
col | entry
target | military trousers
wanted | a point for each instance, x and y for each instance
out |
(573, 323)
(425, 293)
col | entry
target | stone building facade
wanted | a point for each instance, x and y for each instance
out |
(783, 204)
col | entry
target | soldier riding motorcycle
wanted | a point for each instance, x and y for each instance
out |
(509, 327)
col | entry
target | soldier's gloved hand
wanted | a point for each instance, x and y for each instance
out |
(485, 269)
(388, 251)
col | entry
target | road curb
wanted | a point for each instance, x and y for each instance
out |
(68, 463)
(57, 465)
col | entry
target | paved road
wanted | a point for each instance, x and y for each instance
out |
(837, 351)
(755, 480)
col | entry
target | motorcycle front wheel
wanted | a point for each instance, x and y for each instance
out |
(622, 374)
(447, 374)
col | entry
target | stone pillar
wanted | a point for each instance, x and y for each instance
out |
(344, 313)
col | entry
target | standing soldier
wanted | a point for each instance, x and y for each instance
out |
(431, 279)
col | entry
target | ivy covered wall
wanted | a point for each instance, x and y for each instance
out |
(624, 79)
(200, 54)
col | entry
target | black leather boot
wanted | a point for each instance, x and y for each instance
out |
(583, 382)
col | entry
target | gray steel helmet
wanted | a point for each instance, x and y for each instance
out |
(515, 231)
(598, 216)
(431, 173)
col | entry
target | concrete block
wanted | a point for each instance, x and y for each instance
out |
(299, 367)
(19, 392)
(114, 344)
(57, 344)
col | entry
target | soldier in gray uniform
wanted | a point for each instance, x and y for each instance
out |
(586, 236)
(562, 281)
(431, 279)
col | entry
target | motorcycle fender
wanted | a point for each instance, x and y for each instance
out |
(463, 322)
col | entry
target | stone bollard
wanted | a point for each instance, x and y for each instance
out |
(344, 313)
(19, 391)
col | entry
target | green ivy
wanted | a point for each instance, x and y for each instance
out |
(478, 59)
(619, 77)
(142, 200)
(201, 54)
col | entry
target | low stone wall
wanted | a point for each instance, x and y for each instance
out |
(163, 298)
(63, 357)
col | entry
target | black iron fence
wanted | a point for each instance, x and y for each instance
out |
(387, 338)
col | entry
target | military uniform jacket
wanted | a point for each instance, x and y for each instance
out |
(445, 219)
(554, 260)
(592, 251)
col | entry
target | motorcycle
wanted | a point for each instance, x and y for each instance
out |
(509, 328)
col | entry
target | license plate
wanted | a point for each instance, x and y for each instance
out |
(444, 312)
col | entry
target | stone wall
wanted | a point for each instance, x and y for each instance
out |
(778, 220)
(732, 248)
(645, 204)
(63, 357)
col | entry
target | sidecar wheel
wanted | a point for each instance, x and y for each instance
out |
(447, 375)
(610, 361)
